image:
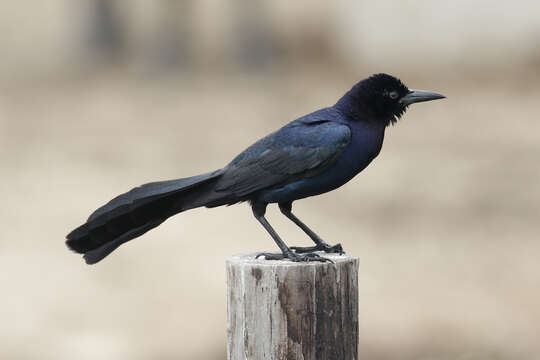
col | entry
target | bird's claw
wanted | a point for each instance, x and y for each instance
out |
(337, 249)
(271, 256)
(294, 257)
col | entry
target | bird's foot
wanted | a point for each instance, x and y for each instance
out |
(294, 257)
(338, 249)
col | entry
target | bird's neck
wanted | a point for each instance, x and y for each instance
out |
(358, 106)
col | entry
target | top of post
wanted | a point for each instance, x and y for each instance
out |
(249, 259)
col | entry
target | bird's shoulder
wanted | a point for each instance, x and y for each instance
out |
(319, 129)
(328, 114)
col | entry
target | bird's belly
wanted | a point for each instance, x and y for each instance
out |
(353, 160)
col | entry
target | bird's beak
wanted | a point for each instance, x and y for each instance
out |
(415, 96)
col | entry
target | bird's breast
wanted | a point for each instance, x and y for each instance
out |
(366, 143)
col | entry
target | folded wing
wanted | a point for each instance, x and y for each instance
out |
(299, 150)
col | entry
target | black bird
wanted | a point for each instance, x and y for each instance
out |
(309, 156)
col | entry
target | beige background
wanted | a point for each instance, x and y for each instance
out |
(445, 221)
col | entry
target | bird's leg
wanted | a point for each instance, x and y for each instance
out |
(321, 245)
(286, 253)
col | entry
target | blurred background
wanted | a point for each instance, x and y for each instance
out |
(98, 96)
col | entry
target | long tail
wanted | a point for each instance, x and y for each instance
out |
(130, 215)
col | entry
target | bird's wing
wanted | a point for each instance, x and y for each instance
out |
(298, 150)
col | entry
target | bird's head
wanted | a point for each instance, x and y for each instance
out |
(382, 98)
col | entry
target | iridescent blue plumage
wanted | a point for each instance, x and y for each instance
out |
(311, 155)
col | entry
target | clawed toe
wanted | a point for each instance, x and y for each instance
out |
(337, 249)
(294, 257)
(271, 256)
(313, 257)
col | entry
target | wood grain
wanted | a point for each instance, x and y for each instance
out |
(285, 310)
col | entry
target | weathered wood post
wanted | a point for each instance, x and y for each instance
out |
(291, 311)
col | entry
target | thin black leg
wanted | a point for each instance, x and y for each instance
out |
(258, 211)
(321, 245)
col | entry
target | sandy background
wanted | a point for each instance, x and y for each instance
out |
(445, 221)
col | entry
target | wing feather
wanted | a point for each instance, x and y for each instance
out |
(299, 149)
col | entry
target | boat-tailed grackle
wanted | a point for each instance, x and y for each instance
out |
(311, 155)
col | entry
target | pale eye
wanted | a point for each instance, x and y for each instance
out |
(393, 95)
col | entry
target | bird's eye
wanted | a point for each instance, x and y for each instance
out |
(393, 95)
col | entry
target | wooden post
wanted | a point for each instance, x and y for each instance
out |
(291, 311)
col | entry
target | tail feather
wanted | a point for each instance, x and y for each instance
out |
(148, 192)
(139, 210)
(95, 255)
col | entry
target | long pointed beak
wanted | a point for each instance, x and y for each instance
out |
(415, 96)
